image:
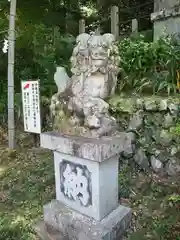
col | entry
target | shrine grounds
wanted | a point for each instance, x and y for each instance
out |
(27, 183)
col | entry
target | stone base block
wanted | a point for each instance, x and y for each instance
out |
(72, 225)
(46, 232)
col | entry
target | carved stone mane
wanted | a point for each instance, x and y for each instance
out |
(95, 65)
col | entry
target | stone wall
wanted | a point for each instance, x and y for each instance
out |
(166, 18)
(165, 4)
(150, 121)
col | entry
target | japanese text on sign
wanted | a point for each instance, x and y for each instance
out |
(31, 106)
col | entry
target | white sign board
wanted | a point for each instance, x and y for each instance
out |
(31, 106)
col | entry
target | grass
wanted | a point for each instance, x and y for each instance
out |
(27, 183)
(156, 207)
(158, 217)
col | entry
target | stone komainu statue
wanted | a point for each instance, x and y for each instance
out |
(79, 106)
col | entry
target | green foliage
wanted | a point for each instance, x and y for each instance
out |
(148, 35)
(149, 65)
(38, 51)
(176, 130)
(174, 198)
(123, 183)
(40, 44)
(41, 52)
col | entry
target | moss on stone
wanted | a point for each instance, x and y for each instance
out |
(125, 105)
(158, 135)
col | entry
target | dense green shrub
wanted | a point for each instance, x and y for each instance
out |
(149, 65)
(38, 51)
(39, 54)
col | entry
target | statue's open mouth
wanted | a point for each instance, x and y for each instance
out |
(99, 55)
(93, 80)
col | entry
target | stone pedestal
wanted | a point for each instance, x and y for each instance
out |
(86, 176)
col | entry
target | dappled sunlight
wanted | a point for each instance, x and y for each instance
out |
(18, 219)
(2, 170)
(27, 183)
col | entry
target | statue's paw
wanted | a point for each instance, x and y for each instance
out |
(93, 122)
(74, 120)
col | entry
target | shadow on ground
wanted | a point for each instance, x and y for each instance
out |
(27, 183)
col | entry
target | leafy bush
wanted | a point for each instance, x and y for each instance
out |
(44, 51)
(38, 52)
(149, 65)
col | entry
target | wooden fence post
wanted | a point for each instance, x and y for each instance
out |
(115, 21)
(82, 26)
(98, 30)
(135, 27)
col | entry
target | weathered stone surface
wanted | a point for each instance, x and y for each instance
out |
(159, 116)
(156, 164)
(108, 127)
(157, 119)
(141, 159)
(94, 66)
(136, 121)
(93, 122)
(165, 137)
(161, 154)
(173, 108)
(46, 232)
(132, 136)
(88, 148)
(173, 167)
(151, 105)
(79, 227)
(174, 151)
(168, 121)
(124, 105)
(140, 103)
(129, 152)
(130, 149)
(89, 187)
(61, 79)
(156, 152)
(163, 105)
(142, 141)
(166, 18)
(154, 135)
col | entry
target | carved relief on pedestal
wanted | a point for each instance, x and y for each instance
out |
(75, 182)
